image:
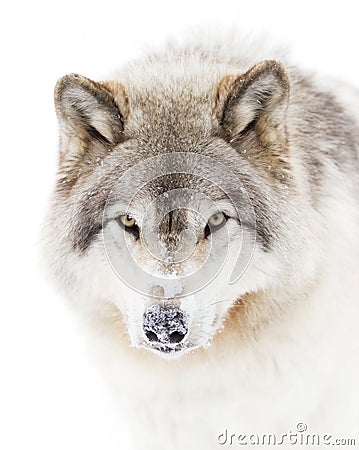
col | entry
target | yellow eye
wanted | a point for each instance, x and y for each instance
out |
(217, 220)
(127, 221)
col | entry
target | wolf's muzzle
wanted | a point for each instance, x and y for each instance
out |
(165, 327)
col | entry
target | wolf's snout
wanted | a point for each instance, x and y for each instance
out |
(165, 325)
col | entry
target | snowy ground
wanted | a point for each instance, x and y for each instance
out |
(50, 396)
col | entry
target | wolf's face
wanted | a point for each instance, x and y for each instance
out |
(169, 201)
(173, 236)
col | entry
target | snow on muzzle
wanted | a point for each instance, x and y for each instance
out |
(136, 262)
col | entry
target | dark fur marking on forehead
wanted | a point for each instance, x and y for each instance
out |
(173, 223)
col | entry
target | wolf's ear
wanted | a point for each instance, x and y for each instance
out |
(258, 97)
(87, 111)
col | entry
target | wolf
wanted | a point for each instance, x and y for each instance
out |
(204, 229)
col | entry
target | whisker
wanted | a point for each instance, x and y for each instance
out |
(219, 301)
(263, 271)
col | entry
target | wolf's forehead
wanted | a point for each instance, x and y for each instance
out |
(176, 190)
(170, 118)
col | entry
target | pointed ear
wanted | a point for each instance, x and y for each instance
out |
(257, 98)
(87, 112)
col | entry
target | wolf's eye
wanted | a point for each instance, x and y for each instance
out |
(127, 221)
(129, 224)
(215, 222)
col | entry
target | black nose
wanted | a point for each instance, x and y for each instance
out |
(165, 325)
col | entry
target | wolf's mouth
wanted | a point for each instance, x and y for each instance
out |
(169, 350)
(166, 348)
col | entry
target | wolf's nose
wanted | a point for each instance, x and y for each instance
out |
(165, 325)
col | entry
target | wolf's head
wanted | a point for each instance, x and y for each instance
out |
(171, 206)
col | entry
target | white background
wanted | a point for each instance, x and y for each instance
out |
(50, 396)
